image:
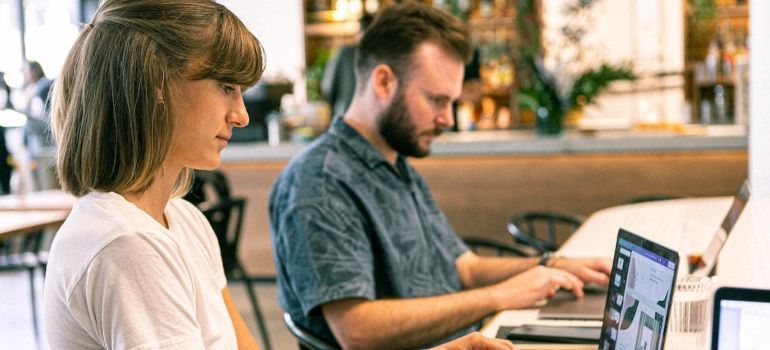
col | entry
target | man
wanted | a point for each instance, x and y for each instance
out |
(32, 100)
(5, 156)
(365, 258)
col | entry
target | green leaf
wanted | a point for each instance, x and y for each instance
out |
(594, 81)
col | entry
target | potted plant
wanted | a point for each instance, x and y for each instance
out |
(549, 95)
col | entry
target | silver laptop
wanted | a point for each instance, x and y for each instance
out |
(704, 265)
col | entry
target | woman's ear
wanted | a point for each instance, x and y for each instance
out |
(384, 82)
(159, 98)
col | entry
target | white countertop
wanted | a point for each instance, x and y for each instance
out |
(523, 142)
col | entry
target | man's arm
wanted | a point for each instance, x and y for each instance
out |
(478, 271)
(409, 323)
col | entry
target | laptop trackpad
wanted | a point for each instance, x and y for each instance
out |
(565, 306)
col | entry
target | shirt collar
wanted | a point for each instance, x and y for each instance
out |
(360, 146)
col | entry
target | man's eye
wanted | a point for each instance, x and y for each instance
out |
(439, 101)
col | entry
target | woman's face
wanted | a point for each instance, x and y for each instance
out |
(205, 112)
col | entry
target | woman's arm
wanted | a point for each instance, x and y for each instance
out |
(245, 338)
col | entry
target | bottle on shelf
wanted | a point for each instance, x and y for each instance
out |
(728, 56)
(712, 60)
(705, 111)
(720, 107)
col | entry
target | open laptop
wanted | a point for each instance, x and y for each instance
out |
(639, 297)
(704, 265)
(637, 302)
(564, 306)
(740, 319)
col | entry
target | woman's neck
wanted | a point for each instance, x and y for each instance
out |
(154, 199)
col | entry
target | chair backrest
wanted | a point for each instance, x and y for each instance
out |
(226, 220)
(208, 186)
(488, 247)
(21, 251)
(211, 194)
(543, 230)
(305, 339)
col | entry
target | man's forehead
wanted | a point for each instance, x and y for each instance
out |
(437, 71)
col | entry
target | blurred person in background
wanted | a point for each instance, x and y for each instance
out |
(5, 156)
(32, 100)
(339, 81)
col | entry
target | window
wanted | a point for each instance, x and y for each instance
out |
(49, 27)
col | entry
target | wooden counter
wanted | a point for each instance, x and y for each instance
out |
(481, 179)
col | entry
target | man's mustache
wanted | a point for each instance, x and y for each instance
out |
(437, 131)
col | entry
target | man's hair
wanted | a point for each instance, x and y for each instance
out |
(111, 107)
(35, 67)
(398, 31)
(365, 21)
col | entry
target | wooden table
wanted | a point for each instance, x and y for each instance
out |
(38, 200)
(744, 260)
(20, 222)
(33, 211)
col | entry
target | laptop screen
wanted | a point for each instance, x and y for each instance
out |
(741, 318)
(639, 295)
(704, 264)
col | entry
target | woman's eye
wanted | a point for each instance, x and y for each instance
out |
(227, 88)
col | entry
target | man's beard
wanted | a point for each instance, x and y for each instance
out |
(396, 126)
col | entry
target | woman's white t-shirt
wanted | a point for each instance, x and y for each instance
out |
(118, 279)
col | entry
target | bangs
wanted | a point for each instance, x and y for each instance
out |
(234, 56)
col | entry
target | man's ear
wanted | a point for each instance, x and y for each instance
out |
(384, 82)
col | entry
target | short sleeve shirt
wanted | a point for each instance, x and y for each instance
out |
(345, 223)
(118, 279)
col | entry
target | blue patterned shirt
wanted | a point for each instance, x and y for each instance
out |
(345, 223)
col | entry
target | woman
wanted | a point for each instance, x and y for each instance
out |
(150, 90)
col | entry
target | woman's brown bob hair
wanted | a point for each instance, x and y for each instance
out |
(110, 105)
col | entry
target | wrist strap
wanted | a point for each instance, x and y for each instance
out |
(544, 260)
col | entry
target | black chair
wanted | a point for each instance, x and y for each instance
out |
(211, 193)
(488, 247)
(542, 231)
(20, 253)
(306, 339)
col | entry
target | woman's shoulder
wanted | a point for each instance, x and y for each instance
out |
(181, 209)
(186, 220)
(97, 222)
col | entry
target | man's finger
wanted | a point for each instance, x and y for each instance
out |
(592, 276)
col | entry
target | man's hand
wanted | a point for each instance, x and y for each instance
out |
(476, 341)
(593, 270)
(532, 286)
